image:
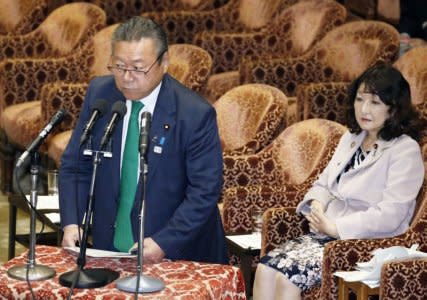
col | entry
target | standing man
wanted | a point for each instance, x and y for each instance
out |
(184, 158)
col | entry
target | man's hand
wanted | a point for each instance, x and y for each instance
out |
(71, 235)
(152, 252)
(319, 223)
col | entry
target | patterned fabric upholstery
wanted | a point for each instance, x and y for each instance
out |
(22, 16)
(119, 11)
(404, 280)
(414, 69)
(292, 33)
(280, 174)
(235, 16)
(64, 29)
(342, 55)
(327, 100)
(281, 224)
(250, 117)
(189, 64)
(322, 100)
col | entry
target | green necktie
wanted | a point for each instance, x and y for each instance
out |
(123, 237)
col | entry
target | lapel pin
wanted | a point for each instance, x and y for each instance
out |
(166, 126)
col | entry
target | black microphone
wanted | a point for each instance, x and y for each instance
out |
(118, 110)
(145, 130)
(99, 108)
(54, 121)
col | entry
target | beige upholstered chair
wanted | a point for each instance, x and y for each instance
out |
(22, 16)
(64, 30)
(120, 10)
(250, 117)
(399, 280)
(343, 54)
(280, 174)
(234, 16)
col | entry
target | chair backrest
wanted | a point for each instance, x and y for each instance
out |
(305, 23)
(302, 150)
(190, 65)
(101, 44)
(350, 49)
(254, 14)
(21, 16)
(250, 116)
(71, 25)
(413, 66)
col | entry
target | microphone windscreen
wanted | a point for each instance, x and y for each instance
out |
(119, 107)
(101, 105)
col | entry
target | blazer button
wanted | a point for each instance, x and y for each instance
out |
(353, 144)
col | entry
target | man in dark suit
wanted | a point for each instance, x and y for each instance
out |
(184, 157)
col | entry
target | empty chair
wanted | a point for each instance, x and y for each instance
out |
(119, 11)
(235, 16)
(250, 117)
(22, 16)
(342, 55)
(60, 33)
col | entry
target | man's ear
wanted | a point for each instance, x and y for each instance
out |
(165, 62)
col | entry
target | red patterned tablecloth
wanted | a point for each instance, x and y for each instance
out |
(183, 279)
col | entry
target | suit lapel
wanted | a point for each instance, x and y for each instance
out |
(162, 127)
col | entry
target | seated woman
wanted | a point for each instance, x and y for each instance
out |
(368, 189)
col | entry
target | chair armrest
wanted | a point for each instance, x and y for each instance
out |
(322, 100)
(342, 255)
(239, 201)
(280, 225)
(69, 96)
(404, 279)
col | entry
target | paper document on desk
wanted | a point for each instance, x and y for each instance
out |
(97, 253)
(252, 241)
(369, 272)
(54, 217)
(46, 201)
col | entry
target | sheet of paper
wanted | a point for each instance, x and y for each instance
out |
(54, 217)
(46, 201)
(247, 241)
(100, 253)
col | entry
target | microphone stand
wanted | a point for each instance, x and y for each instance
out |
(141, 283)
(32, 271)
(88, 278)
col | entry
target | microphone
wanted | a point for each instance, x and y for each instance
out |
(118, 110)
(54, 121)
(145, 130)
(98, 110)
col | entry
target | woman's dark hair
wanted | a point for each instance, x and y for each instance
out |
(393, 90)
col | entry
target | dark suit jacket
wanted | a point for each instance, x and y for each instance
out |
(183, 183)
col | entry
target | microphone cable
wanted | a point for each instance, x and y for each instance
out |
(76, 203)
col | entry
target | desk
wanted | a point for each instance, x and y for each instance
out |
(246, 256)
(51, 238)
(183, 279)
(361, 290)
